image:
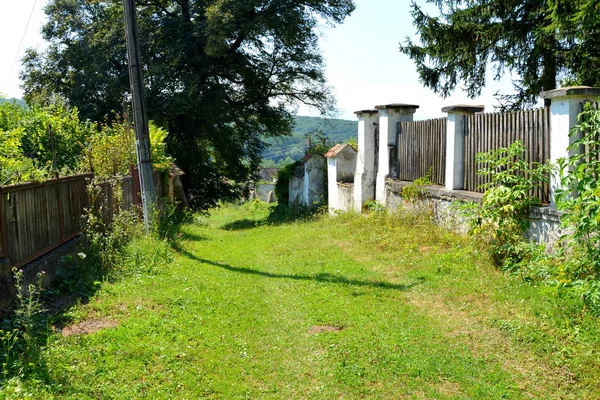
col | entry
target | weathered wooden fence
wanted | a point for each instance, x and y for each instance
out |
(485, 132)
(36, 218)
(421, 146)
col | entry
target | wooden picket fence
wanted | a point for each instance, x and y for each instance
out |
(421, 145)
(486, 132)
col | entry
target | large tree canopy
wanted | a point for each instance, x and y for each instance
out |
(219, 74)
(540, 41)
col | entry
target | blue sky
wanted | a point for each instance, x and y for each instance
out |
(364, 65)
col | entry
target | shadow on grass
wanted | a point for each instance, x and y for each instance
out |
(242, 224)
(322, 277)
(191, 237)
(280, 214)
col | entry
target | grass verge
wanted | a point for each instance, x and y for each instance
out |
(377, 306)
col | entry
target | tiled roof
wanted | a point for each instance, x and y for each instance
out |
(337, 149)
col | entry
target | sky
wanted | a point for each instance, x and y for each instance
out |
(363, 62)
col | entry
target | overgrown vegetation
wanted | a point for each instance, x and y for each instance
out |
(282, 186)
(572, 266)
(114, 246)
(580, 200)
(500, 221)
(20, 340)
(417, 190)
(39, 143)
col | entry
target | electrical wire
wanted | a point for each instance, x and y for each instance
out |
(20, 44)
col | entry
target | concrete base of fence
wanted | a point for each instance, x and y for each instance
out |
(443, 204)
(545, 226)
(48, 263)
(440, 202)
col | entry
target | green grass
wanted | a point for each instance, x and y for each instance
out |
(413, 312)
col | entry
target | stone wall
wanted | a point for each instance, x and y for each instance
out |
(443, 204)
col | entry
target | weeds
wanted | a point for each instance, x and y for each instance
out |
(500, 221)
(20, 348)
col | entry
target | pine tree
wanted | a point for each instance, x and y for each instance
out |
(516, 36)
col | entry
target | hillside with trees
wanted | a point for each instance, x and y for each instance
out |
(18, 102)
(286, 149)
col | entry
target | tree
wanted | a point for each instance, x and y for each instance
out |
(577, 23)
(40, 142)
(517, 36)
(219, 74)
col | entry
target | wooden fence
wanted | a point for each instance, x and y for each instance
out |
(36, 218)
(485, 132)
(422, 145)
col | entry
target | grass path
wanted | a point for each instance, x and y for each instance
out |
(335, 308)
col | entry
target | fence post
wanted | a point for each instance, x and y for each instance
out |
(564, 109)
(455, 143)
(390, 117)
(366, 164)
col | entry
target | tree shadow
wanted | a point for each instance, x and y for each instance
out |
(321, 277)
(242, 224)
(192, 237)
(278, 215)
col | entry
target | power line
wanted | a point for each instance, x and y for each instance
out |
(20, 44)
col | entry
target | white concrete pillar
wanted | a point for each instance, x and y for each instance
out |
(332, 188)
(390, 116)
(564, 109)
(455, 141)
(364, 176)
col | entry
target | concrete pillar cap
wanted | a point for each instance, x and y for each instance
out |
(397, 106)
(366, 112)
(571, 91)
(465, 108)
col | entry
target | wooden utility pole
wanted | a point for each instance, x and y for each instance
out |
(140, 118)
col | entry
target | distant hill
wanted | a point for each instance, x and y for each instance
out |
(286, 149)
(18, 101)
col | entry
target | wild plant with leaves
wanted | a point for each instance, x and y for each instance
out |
(579, 197)
(20, 347)
(500, 221)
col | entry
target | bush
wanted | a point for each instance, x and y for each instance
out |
(500, 221)
(112, 150)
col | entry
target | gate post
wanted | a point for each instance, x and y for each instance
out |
(390, 116)
(455, 143)
(364, 176)
(564, 109)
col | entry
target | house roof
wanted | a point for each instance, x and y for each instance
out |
(269, 172)
(309, 156)
(337, 149)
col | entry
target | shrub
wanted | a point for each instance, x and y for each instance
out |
(580, 175)
(500, 221)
